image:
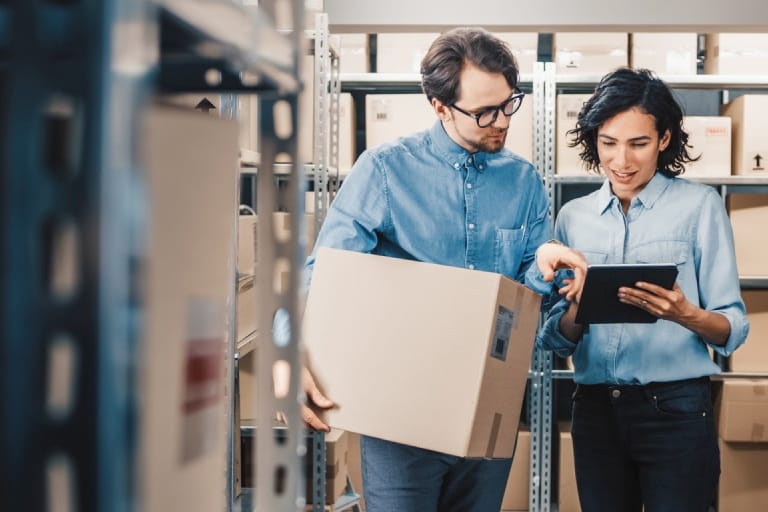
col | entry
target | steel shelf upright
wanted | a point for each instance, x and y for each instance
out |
(70, 250)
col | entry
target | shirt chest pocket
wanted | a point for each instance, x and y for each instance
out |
(660, 251)
(508, 251)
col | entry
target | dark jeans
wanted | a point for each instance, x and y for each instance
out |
(652, 446)
(400, 478)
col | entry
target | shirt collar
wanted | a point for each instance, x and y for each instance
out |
(455, 155)
(647, 197)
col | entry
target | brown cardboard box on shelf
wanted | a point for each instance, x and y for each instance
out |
(749, 118)
(666, 53)
(590, 53)
(246, 245)
(355, 466)
(402, 53)
(568, 496)
(748, 213)
(337, 456)
(710, 140)
(516, 494)
(246, 307)
(753, 355)
(247, 388)
(736, 54)
(742, 410)
(452, 345)
(190, 159)
(743, 479)
(567, 161)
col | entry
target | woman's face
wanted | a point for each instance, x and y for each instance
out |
(628, 147)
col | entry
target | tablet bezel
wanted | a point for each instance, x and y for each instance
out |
(599, 303)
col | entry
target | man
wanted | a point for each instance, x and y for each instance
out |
(450, 195)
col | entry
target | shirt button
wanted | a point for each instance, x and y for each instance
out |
(480, 167)
(471, 266)
(471, 161)
(469, 185)
(471, 226)
(616, 393)
(456, 165)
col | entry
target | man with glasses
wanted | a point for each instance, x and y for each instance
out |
(451, 195)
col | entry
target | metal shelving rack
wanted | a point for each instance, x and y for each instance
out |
(75, 79)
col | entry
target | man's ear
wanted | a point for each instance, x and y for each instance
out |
(442, 111)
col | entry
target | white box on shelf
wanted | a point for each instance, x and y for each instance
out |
(710, 139)
(567, 161)
(402, 53)
(524, 46)
(736, 54)
(666, 53)
(590, 53)
(390, 116)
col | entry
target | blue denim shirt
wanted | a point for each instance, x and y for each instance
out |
(424, 197)
(670, 220)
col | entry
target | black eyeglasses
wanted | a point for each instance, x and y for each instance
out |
(488, 116)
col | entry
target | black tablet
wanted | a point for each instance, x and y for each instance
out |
(599, 302)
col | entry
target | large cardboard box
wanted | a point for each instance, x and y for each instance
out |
(749, 117)
(590, 53)
(190, 159)
(402, 53)
(736, 54)
(516, 494)
(743, 478)
(710, 140)
(437, 345)
(390, 116)
(753, 355)
(567, 161)
(568, 495)
(666, 53)
(748, 214)
(742, 410)
(245, 309)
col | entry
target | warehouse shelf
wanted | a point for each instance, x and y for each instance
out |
(568, 374)
(754, 282)
(386, 82)
(716, 82)
(219, 34)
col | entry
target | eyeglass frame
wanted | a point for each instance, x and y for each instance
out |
(499, 108)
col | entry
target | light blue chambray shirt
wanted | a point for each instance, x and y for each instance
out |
(424, 197)
(670, 220)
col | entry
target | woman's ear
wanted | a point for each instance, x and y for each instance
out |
(664, 142)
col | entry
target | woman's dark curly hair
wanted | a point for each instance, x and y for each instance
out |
(620, 91)
(441, 66)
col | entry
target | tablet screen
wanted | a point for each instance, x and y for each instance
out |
(599, 302)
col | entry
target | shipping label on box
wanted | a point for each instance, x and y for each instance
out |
(393, 323)
(710, 140)
(743, 410)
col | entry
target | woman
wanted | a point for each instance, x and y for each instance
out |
(643, 427)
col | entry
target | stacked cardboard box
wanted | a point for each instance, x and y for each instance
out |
(665, 53)
(736, 54)
(749, 117)
(748, 213)
(590, 53)
(517, 492)
(742, 409)
(336, 466)
(710, 140)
